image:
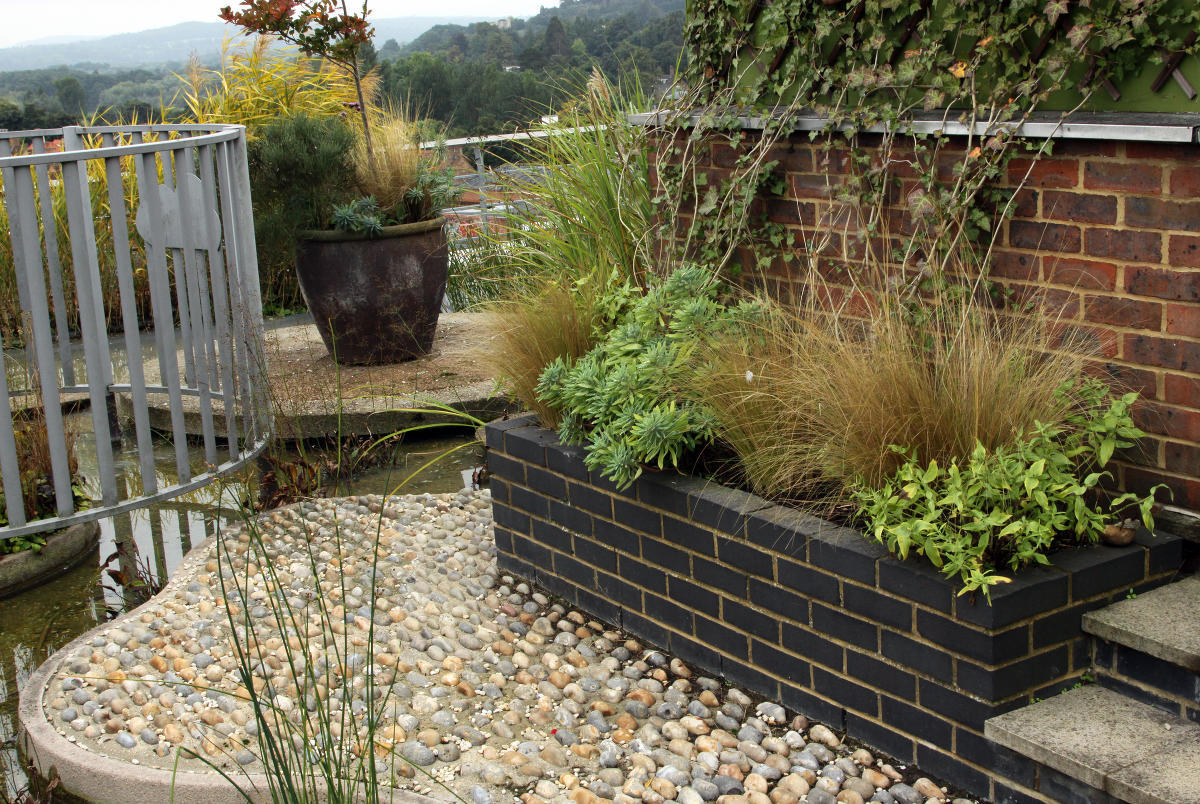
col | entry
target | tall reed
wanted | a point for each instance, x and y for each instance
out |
(588, 228)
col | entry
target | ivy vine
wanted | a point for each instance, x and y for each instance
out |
(906, 68)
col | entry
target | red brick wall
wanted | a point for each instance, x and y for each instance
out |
(1110, 231)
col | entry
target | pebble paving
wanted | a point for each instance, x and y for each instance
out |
(482, 688)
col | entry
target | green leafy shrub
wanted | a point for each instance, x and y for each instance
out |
(1008, 506)
(300, 169)
(626, 398)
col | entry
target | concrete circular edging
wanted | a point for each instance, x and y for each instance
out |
(102, 779)
(64, 550)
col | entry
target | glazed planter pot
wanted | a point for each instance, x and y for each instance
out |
(375, 299)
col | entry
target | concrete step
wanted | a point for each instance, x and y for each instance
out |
(1164, 623)
(1148, 648)
(1112, 747)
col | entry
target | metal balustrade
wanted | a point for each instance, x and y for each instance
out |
(186, 191)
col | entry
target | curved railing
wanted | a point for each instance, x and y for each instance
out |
(164, 212)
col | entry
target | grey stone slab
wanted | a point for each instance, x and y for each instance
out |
(1162, 622)
(1089, 733)
(1169, 777)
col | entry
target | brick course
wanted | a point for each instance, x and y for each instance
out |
(808, 613)
(1108, 232)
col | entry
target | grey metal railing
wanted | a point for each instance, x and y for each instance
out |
(186, 191)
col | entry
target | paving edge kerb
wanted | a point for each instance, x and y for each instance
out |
(103, 780)
(64, 550)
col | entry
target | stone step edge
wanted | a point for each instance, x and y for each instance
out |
(1118, 622)
(1074, 716)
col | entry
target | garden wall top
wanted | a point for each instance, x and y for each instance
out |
(1119, 126)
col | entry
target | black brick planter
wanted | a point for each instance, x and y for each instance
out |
(806, 613)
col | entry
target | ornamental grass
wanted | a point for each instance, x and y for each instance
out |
(814, 397)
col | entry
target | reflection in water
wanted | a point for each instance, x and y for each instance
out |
(139, 550)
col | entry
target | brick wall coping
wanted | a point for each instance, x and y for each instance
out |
(1130, 126)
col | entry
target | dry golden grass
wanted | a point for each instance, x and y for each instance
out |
(814, 399)
(391, 170)
(525, 333)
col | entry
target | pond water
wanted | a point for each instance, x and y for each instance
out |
(139, 550)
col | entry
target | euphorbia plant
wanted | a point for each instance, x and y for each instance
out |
(323, 28)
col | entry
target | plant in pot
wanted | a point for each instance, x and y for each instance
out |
(371, 250)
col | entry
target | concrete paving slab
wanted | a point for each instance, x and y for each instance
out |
(312, 396)
(1169, 777)
(1090, 733)
(1161, 623)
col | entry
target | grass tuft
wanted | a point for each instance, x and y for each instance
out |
(814, 399)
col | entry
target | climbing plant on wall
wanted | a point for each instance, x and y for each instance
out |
(912, 70)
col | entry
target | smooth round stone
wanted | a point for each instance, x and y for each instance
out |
(819, 796)
(125, 739)
(246, 758)
(637, 709)
(772, 713)
(417, 753)
(904, 794)
(68, 715)
(708, 790)
(834, 773)
(149, 737)
(860, 786)
(726, 722)
(726, 786)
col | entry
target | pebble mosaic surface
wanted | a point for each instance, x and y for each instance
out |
(485, 685)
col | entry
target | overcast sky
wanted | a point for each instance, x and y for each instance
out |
(28, 20)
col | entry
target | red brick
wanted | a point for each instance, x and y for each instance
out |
(1061, 173)
(1099, 341)
(1160, 150)
(1122, 177)
(1081, 207)
(1122, 378)
(1163, 283)
(792, 158)
(1123, 245)
(1015, 265)
(1185, 492)
(1185, 180)
(806, 185)
(1025, 204)
(1121, 311)
(1183, 251)
(1179, 389)
(1148, 350)
(1154, 417)
(1053, 237)
(1182, 458)
(1143, 452)
(782, 210)
(726, 157)
(1081, 274)
(1071, 148)
(1183, 319)
(1156, 213)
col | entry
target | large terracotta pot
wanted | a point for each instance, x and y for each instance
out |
(375, 299)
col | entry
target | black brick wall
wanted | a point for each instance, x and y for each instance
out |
(810, 614)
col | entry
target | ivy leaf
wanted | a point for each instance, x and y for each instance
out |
(1055, 9)
(1079, 34)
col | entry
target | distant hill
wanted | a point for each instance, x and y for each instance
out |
(437, 39)
(173, 45)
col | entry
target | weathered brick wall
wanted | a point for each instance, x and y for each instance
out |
(814, 616)
(1107, 231)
